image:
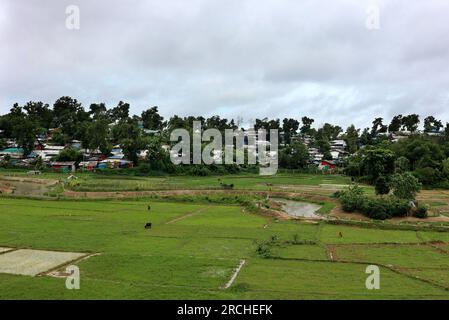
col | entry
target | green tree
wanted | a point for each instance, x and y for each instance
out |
(306, 125)
(96, 135)
(378, 127)
(366, 138)
(382, 185)
(294, 156)
(152, 119)
(97, 110)
(21, 128)
(68, 115)
(405, 186)
(445, 168)
(401, 165)
(378, 161)
(396, 124)
(432, 125)
(351, 137)
(39, 113)
(289, 127)
(129, 136)
(120, 112)
(70, 154)
(411, 122)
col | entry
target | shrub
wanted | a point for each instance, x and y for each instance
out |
(397, 207)
(428, 176)
(376, 209)
(199, 170)
(352, 198)
(405, 186)
(227, 186)
(337, 194)
(382, 186)
(401, 165)
(144, 168)
(421, 212)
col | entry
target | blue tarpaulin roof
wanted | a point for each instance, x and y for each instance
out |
(12, 150)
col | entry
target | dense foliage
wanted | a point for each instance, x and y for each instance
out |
(375, 153)
(353, 199)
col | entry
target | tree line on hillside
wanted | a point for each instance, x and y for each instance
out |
(373, 151)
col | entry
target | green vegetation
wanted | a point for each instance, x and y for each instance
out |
(380, 208)
(194, 246)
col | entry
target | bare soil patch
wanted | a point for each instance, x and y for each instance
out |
(31, 262)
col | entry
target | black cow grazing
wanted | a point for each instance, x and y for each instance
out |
(149, 208)
(148, 225)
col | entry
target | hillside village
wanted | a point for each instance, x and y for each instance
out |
(47, 152)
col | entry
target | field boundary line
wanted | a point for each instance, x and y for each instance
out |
(186, 215)
(389, 267)
(67, 263)
(9, 250)
(235, 274)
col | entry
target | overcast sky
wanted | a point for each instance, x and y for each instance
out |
(255, 58)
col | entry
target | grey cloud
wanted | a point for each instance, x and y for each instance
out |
(236, 58)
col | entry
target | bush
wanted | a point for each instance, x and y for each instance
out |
(428, 176)
(227, 186)
(401, 165)
(144, 168)
(352, 198)
(382, 186)
(405, 186)
(376, 209)
(421, 212)
(397, 207)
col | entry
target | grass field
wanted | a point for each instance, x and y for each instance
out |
(193, 248)
(99, 182)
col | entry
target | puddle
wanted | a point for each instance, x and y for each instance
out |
(299, 209)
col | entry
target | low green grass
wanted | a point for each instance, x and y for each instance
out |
(402, 256)
(330, 234)
(280, 279)
(301, 252)
(193, 249)
(420, 261)
(99, 182)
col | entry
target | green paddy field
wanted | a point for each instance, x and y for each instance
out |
(194, 247)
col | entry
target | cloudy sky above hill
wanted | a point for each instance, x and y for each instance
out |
(247, 58)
